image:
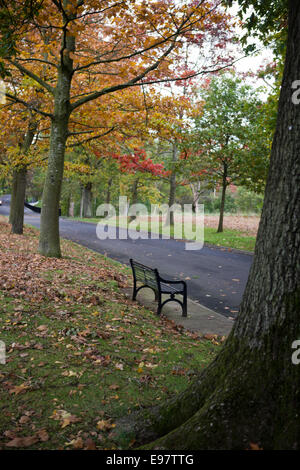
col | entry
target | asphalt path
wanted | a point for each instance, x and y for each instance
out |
(215, 276)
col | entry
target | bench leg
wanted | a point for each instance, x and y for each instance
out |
(134, 292)
(184, 306)
(159, 303)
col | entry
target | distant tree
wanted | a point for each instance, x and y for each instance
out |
(232, 143)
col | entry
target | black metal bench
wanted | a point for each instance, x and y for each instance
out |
(151, 278)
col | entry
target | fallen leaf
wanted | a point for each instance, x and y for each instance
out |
(103, 425)
(19, 389)
(114, 387)
(77, 443)
(24, 419)
(43, 435)
(89, 444)
(23, 441)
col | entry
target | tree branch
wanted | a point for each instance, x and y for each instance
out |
(28, 105)
(32, 75)
(180, 30)
(98, 136)
(122, 86)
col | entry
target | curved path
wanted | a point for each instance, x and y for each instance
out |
(216, 276)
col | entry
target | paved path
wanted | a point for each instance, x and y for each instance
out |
(199, 318)
(216, 277)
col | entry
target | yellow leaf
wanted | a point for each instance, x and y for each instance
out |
(103, 425)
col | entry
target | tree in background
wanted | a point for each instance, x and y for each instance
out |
(19, 129)
(169, 122)
(231, 141)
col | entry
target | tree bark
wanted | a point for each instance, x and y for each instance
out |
(16, 213)
(86, 201)
(49, 244)
(172, 193)
(134, 196)
(222, 206)
(250, 394)
(16, 216)
(108, 191)
(71, 208)
(196, 191)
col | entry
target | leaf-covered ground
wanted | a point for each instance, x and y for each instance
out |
(245, 224)
(79, 353)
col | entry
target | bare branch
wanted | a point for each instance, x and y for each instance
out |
(32, 75)
(29, 106)
(39, 60)
(98, 136)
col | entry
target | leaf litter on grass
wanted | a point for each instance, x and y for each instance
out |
(79, 353)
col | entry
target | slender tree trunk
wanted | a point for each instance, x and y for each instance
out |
(86, 201)
(222, 207)
(196, 190)
(68, 204)
(134, 196)
(250, 394)
(109, 184)
(16, 214)
(49, 244)
(172, 193)
(71, 208)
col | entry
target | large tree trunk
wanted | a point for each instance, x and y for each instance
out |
(222, 206)
(86, 201)
(250, 395)
(16, 214)
(49, 244)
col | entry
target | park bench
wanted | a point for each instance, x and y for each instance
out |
(151, 278)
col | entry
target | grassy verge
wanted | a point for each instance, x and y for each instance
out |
(229, 238)
(79, 353)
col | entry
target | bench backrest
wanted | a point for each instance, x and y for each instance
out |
(145, 274)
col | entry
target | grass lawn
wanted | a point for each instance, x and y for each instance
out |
(231, 238)
(79, 353)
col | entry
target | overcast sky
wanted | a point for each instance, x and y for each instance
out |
(252, 63)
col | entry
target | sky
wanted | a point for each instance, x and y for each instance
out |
(252, 63)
